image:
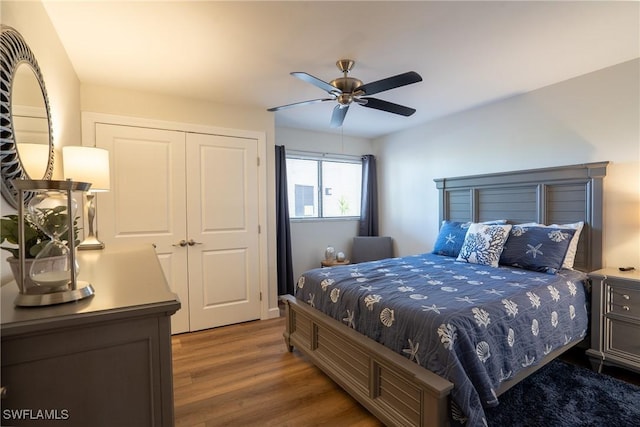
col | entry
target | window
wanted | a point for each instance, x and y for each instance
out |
(323, 187)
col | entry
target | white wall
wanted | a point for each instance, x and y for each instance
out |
(590, 118)
(61, 82)
(109, 100)
(309, 238)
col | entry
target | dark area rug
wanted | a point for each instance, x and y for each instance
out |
(566, 395)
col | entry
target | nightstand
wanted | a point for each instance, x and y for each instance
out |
(333, 262)
(615, 319)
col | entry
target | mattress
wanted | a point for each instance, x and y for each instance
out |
(475, 325)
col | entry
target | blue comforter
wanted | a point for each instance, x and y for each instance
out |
(474, 325)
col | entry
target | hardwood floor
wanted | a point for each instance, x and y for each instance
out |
(243, 375)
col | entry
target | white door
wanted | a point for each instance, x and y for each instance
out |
(222, 195)
(170, 188)
(146, 203)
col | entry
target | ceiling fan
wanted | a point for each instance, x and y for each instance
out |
(347, 90)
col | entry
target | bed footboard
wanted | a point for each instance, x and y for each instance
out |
(397, 391)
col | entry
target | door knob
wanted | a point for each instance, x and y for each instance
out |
(192, 242)
(182, 243)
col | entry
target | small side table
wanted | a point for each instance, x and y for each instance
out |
(333, 262)
(615, 319)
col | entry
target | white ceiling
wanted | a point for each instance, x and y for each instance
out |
(241, 53)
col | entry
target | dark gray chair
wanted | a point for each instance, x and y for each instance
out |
(371, 248)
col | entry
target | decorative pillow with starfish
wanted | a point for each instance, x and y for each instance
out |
(537, 248)
(452, 234)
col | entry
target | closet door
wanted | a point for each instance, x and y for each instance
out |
(146, 204)
(222, 218)
(196, 198)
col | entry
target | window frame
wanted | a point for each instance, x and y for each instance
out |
(324, 157)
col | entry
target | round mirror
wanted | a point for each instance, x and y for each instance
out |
(26, 139)
(30, 122)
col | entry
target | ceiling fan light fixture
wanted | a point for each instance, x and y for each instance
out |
(346, 84)
(346, 90)
(345, 99)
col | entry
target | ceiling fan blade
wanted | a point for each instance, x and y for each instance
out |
(316, 82)
(337, 117)
(297, 104)
(390, 83)
(387, 106)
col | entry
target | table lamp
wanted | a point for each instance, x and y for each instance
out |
(88, 164)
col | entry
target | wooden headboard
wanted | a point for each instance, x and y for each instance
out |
(556, 195)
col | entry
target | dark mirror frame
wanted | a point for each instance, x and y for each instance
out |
(14, 51)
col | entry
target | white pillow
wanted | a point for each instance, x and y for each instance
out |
(483, 244)
(570, 257)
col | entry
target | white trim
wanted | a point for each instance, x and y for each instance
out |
(272, 313)
(90, 119)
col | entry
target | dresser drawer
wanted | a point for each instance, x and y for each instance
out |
(623, 300)
(623, 339)
(615, 319)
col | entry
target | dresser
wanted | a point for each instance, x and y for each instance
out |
(101, 361)
(615, 319)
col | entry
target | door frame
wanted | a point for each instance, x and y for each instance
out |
(269, 309)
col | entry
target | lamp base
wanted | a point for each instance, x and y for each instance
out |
(90, 243)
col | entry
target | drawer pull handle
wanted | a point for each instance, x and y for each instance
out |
(625, 296)
(625, 307)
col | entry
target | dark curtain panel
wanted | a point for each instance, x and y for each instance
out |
(283, 231)
(369, 205)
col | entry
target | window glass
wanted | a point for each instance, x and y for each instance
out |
(302, 185)
(341, 186)
(323, 188)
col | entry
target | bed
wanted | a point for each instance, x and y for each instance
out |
(389, 328)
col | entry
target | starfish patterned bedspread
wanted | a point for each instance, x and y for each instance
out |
(472, 324)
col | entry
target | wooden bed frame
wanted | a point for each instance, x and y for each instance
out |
(400, 392)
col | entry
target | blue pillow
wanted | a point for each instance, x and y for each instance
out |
(451, 238)
(537, 248)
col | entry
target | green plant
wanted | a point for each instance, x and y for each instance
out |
(35, 238)
(343, 205)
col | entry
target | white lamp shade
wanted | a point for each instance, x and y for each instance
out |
(87, 164)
